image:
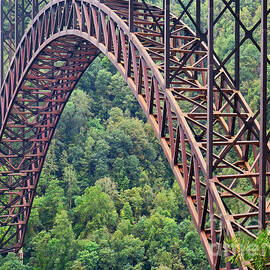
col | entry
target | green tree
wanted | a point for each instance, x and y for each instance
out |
(75, 116)
(126, 212)
(62, 246)
(95, 209)
(11, 261)
(107, 258)
(109, 187)
(48, 204)
(88, 256)
(129, 250)
(192, 255)
(71, 183)
(166, 200)
(41, 260)
(133, 197)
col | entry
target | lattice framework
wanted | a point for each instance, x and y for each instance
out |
(210, 136)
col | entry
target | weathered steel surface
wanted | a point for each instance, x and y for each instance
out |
(205, 127)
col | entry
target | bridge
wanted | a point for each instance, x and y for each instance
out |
(217, 147)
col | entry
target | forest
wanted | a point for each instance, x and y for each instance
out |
(107, 198)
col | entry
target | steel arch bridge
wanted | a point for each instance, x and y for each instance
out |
(217, 147)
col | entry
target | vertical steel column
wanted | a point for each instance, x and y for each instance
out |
(210, 81)
(198, 28)
(210, 100)
(263, 118)
(131, 15)
(11, 49)
(1, 42)
(198, 17)
(16, 23)
(167, 35)
(23, 18)
(34, 8)
(99, 23)
(236, 60)
(237, 43)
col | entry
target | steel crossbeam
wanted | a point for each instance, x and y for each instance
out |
(217, 148)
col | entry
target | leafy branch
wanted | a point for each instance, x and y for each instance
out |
(254, 252)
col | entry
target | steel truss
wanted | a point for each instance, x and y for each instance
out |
(216, 146)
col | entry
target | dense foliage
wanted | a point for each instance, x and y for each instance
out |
(107, 197)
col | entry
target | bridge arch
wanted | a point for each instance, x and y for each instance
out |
(60, 44)
(48, 63)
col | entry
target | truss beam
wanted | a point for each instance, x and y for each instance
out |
(211, 138)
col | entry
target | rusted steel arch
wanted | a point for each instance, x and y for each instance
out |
(62, 41)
